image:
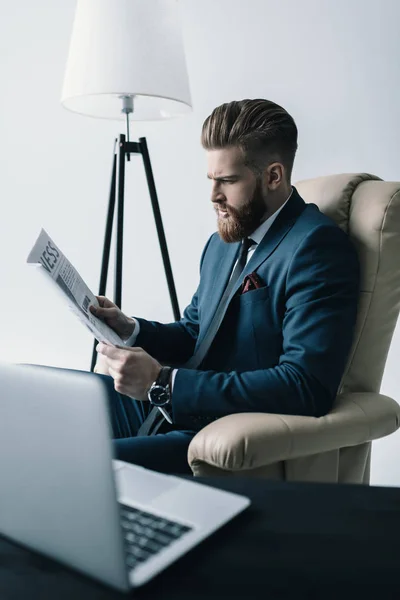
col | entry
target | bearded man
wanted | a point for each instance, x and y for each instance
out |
(270, 326)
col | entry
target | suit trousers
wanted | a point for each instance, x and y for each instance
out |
(165, 452)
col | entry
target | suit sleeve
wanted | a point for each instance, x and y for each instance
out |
(172, 343)
(322, 288)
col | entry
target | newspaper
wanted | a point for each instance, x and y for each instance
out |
(56, 267)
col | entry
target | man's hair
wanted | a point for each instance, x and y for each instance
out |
(263, 130)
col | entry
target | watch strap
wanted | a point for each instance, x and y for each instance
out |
(164, 376)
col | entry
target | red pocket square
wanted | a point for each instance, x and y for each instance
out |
(251, 282)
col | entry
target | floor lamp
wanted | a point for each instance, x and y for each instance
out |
(126, 61)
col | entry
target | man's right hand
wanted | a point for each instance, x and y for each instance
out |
(114, 317)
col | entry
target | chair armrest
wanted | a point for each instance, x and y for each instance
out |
(251, 440)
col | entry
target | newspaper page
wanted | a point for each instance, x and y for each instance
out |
(56, 267)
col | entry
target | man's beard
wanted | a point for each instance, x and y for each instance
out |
(241, 222)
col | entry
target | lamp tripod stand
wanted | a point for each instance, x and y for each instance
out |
(122, 150)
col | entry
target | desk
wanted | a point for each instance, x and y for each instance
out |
(302, 541)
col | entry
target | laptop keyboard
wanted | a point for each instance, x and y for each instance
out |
(146, 534)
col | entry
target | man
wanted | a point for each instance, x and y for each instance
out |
(270, 325)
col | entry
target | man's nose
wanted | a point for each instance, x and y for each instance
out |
(216, 194)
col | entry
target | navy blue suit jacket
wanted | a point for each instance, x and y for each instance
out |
(281, 348)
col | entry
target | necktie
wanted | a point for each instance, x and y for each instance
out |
(155, 419)
(202, 350)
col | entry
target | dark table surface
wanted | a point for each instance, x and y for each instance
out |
(298, 541)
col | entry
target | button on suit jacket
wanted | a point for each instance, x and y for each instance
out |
(281, 348)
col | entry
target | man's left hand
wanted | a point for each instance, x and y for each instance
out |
(132, 369)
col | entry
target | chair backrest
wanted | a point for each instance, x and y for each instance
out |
(368, 210)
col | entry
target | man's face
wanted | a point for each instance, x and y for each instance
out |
(237, 194)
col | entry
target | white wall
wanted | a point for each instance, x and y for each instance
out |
(332, 63)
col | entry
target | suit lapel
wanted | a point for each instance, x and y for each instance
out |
(222, 275)
(278, 230)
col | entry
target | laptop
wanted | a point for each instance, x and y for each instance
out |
(63, 495)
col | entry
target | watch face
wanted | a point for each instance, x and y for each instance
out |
(159, 395)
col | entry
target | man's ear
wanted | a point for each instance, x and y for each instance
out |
(274, 175)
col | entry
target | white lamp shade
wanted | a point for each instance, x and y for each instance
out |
(127, 47)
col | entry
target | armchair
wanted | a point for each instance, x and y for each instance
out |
(336, 447)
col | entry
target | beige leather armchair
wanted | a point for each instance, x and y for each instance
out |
(337, 447)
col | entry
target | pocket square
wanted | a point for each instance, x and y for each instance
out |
(251, 282)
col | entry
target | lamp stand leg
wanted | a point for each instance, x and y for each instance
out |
(107, 244)
(119, 165)
(160, 229)
(120, 222)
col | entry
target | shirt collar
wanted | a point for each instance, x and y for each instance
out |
(259, 233)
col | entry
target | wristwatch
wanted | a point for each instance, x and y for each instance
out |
(159, 393)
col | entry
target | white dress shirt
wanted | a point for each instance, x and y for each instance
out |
(256, 236)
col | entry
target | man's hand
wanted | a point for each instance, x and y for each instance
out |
(132, 369)
(101, 365)
(114, 317)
